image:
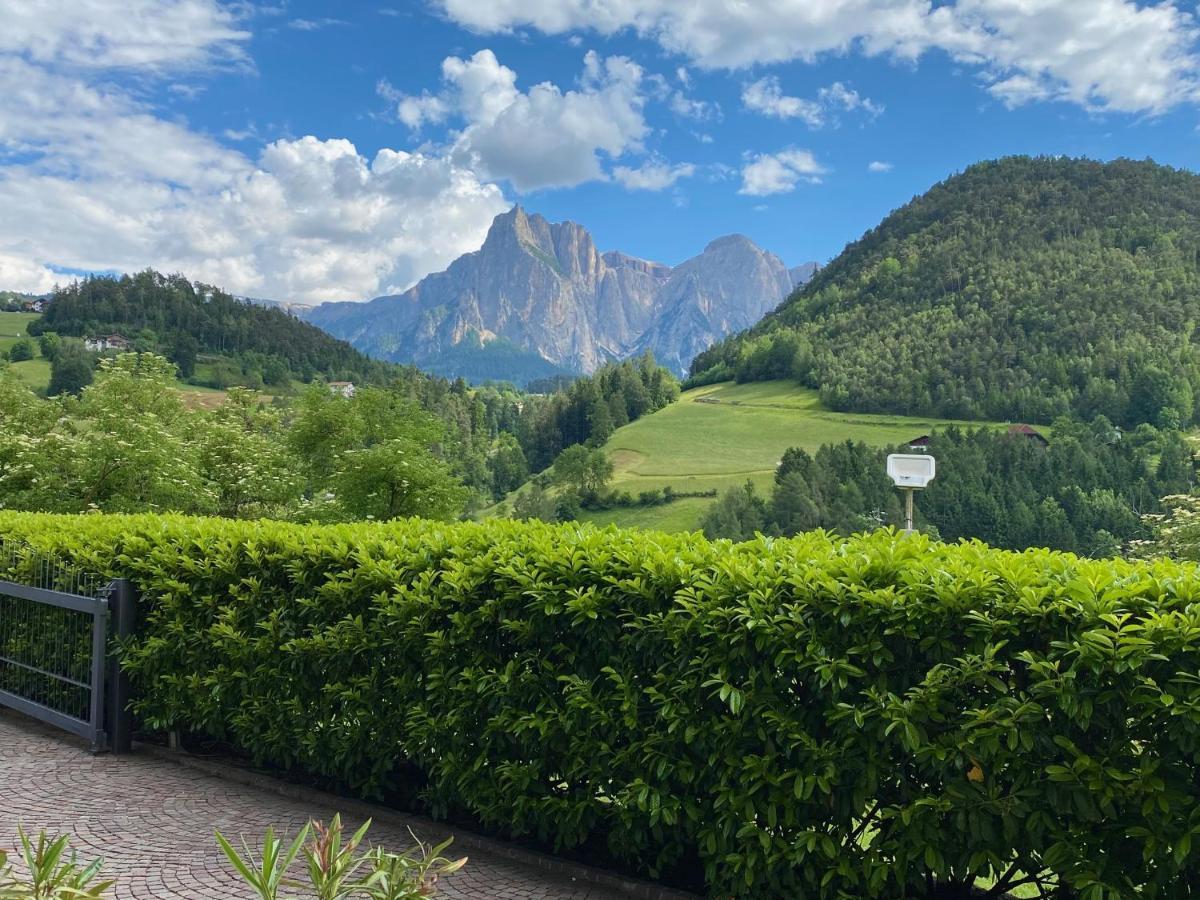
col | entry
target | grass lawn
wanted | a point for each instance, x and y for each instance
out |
(12, 327)
(34, 372)
(721, 435)
(195, 396)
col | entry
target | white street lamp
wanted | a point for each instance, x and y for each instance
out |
(911, 472)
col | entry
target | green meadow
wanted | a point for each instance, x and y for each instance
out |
(12, 327)
(721, 435)
(34, 372)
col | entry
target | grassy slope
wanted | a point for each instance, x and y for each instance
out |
(36, 372)
(723, 434)
(12, 327)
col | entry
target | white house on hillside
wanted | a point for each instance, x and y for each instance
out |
(345, 388)
(108, 342)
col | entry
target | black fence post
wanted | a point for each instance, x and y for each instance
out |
(122, 606)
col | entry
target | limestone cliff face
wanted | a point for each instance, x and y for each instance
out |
(727, 288)
(803, 273)
(541, 294)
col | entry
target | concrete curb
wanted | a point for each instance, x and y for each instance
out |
(230, 771)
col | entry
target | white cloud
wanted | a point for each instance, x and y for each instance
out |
(413, 110)
(1118, 55)
(240, 134)
(93, 178)
(550, 138)
(688, 107)
(766, 96)
(19, 273)
(484, 88)
(187, 91)
(316, 219)
(879, 166)
(1101, 54)
(778, 173)
(652, 176)
(122, 34)
(315, 24)
(416, 111)
(69, 127)
(838, 96)
(543, 137)
(691, 108)
(309, 220)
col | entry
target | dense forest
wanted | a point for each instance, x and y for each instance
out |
(171, 315)
(589, 409)
(1020, 289)
(503, 436)
(1087, 492)
(419, 445)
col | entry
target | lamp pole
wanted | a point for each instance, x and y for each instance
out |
(910, 472)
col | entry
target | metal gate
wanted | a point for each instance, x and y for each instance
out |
(56, 663)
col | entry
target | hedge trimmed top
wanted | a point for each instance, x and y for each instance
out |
(874, 716)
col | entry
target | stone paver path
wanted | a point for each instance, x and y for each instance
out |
(152, 821)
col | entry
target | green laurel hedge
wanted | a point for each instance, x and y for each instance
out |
(807, 718)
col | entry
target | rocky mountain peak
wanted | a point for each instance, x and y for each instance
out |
(730, 243)
(566, 248)
(615, 259)
(803, 273)
(539, 297)
(733, 281)
(510, 228)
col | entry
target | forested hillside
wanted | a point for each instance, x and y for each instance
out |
(1085, 492)
(590, 409)
(1021, 289)
(169, 314)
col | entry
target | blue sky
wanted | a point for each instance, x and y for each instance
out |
(307, 151)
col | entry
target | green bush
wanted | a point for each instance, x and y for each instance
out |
(21, 350)
(813, 717)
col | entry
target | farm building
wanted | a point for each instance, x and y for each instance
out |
(108, 342)
(1029, 432)
(1025, 431)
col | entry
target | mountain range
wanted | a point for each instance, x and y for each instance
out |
(538, 298)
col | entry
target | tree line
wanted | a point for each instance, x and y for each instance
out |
(590, 409)
(1087, 492)
(413, 445)
(128, 443)
(170, 315)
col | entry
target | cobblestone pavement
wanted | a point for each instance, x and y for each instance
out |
(152, 820)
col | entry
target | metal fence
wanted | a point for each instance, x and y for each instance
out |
(57, 627)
